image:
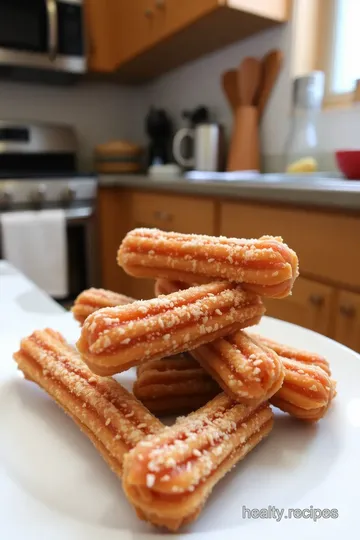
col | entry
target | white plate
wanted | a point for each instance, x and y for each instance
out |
(54, 485)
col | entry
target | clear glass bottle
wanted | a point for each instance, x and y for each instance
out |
(302, 142)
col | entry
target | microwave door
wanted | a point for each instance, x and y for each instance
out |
(24, 33)
(42, 34)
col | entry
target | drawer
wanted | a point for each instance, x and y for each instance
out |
(347, 324)
(311, 305)
(180, 214)
(326, 243)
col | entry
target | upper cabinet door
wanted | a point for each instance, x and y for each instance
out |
(137, 27)
(100, 39)
(176, 14)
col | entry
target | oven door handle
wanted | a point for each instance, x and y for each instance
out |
(52, 19)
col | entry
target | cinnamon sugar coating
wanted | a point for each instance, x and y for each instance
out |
(169, 476)
(265, 266)
(113, 419)
(292, 353)
(115, 339)
(92, 299)
(245, 369)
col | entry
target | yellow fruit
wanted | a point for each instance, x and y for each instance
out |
(303, 165)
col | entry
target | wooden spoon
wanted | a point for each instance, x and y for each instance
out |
(230, 87)
(271, 67)
(249, 78)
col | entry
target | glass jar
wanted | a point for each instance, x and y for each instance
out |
(302, 144)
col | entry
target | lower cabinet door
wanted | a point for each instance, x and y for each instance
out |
(311, 305)
(347, 322)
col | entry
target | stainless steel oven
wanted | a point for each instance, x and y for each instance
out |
(38, 171)
(43, 35)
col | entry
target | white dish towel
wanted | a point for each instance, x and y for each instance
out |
(36, 243)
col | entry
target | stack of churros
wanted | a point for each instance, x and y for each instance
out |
(193, 354)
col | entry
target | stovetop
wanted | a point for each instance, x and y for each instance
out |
(46, 192)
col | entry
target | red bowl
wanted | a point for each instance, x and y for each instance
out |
(349, 163)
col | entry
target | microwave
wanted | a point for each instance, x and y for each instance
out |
(42, 35)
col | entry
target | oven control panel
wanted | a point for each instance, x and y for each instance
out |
(46, 193)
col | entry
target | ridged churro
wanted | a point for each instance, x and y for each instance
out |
(299, 355)
(265, 266)
(113, 419)
(169, 477)
(174, 385)
(245, 369)
(307, 391)
(93, 299)
(115, 339)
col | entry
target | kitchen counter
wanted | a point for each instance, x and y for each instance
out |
(320, 192)
(25, 308)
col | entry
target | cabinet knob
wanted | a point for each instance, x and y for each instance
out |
(149, 13)
(162, 215)
(316, 300)
(347, 310)
(160, 4)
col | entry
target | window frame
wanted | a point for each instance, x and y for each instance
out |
(315, 20)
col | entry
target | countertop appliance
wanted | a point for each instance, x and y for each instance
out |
(159, 130)
(208, 147)
(38, 170)
(45, 35)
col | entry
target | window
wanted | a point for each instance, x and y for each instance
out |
(326, 37)
(344, 48)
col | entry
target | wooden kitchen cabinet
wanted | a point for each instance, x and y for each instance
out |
(141, 39)
(121, 211)
(100, 34)
(176, 15)
(137, 28)
(311, 305)
(114, 215)
(324, 241)
(169, 213)
(173, 213)
(347, 322)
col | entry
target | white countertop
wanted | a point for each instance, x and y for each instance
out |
(25, 308)
(317, 191)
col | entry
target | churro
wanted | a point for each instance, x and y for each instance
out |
(299, 355)
(265, 266)
(307, 391)
(169, 477)
(115, 339)
(113, 419)
(93, 299)
(174, 385)
(245, 369)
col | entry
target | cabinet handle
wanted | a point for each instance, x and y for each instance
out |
(347, 310)
(316, 300)
(149, 13)
(163, 216)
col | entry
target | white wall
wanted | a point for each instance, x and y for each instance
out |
(99, 112)
(199, 83)
(102, 112)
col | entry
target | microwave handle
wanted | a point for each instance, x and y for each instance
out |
(52, 18)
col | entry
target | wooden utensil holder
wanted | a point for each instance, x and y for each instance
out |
(244, 148)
